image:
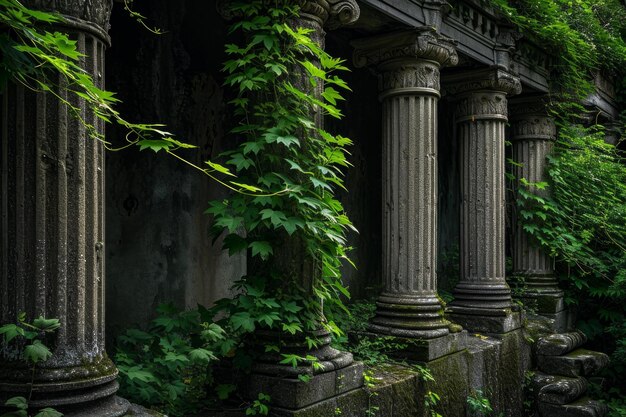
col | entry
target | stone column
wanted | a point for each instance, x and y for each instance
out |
(533, 133)
(408, 64)
(482, 297)
(335, 372)
(52, 228)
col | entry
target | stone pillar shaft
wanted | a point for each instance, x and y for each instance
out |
(481, 115)
(408, 66)
(481, 118)
(52, 228)
(533, 133)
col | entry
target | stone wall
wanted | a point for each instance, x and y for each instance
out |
(158, 247)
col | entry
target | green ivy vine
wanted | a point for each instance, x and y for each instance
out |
(296, 239)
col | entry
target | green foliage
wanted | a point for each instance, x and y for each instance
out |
(298, 229)
(260, 406)
(583, 36)
(22, 342)
(168, 366)
(478, 404)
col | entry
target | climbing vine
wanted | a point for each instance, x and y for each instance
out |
(284, 82)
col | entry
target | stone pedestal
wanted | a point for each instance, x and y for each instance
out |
(482, 297)
(408, 64)
(52, 228)
(533, 133)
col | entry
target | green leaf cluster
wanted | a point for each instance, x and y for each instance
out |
(22, 341)
(169, 366)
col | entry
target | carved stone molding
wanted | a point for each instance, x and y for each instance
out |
(342, 13)
(490, 79)
(423, 43)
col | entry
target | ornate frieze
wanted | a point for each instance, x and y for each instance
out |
(533, 128)
(423, 44)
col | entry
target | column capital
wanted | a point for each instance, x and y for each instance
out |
(331, 14)
(530, 119)
(398, 48)
(89, 15)
(488, 79)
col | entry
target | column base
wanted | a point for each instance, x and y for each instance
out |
(410, 316)
(545, 302)
(482, 320)
(421, 350)
(294, 394)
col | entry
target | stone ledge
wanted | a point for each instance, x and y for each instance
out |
(560, 344)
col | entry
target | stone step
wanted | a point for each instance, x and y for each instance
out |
(581, 362)
(556, 389)
(560, 343)
(584, 407)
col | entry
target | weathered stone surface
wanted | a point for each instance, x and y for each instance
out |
(52, 228)
(581, 362)
(560, 343)
(585, 407)
(556, 389)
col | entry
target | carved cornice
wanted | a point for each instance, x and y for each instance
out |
(331, 14)
(490, 79)
(405, 46)
(87, 15)
(481, 105)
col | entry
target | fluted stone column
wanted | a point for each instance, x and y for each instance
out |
(408, 64)
(533, 133)
(52, 228)
(482, 296)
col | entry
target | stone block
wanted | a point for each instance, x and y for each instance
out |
(451, 382)
(292, 393)
(560, 344)
(423, 350)
(555, 389)
(396, 392)
(581, 362)
(496, 321)
(585, 407)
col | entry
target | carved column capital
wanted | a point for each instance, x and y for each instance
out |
(331, 14)
(400, 47)
(530, 120)
(489, 79)
(89, 15)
